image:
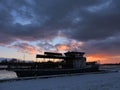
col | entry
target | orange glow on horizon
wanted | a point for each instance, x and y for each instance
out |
(100, 58)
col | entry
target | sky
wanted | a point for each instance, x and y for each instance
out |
(30, 27)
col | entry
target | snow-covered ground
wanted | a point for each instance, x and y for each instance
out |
(106, 81)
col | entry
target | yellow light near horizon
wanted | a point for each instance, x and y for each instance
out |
(46, 60)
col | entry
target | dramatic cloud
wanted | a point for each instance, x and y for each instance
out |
(26, 48)
(62, 47)
(78, 19)
(93, 25)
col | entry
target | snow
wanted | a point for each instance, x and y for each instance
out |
(106, 81)
(7, 74)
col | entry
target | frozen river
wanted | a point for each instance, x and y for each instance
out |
(106, 81)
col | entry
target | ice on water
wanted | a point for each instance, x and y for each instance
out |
(4, 74)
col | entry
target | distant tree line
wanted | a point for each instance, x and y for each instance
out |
(13, 60)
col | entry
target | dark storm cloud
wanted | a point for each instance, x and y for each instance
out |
(82, 20)
(109, 46)
(101, 23)
(97, 27)
(11, 30)
(46, 17)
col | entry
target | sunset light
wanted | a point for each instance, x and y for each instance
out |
(30, 27)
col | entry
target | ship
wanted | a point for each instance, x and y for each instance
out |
(67, 63)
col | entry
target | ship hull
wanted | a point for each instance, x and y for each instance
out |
(42, 72)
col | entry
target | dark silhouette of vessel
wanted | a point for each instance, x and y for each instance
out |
(70, 62)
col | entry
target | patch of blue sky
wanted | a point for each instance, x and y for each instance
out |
(17, 18)
(60, 40)
(100, 7)
(8, 52)
(34, 43)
